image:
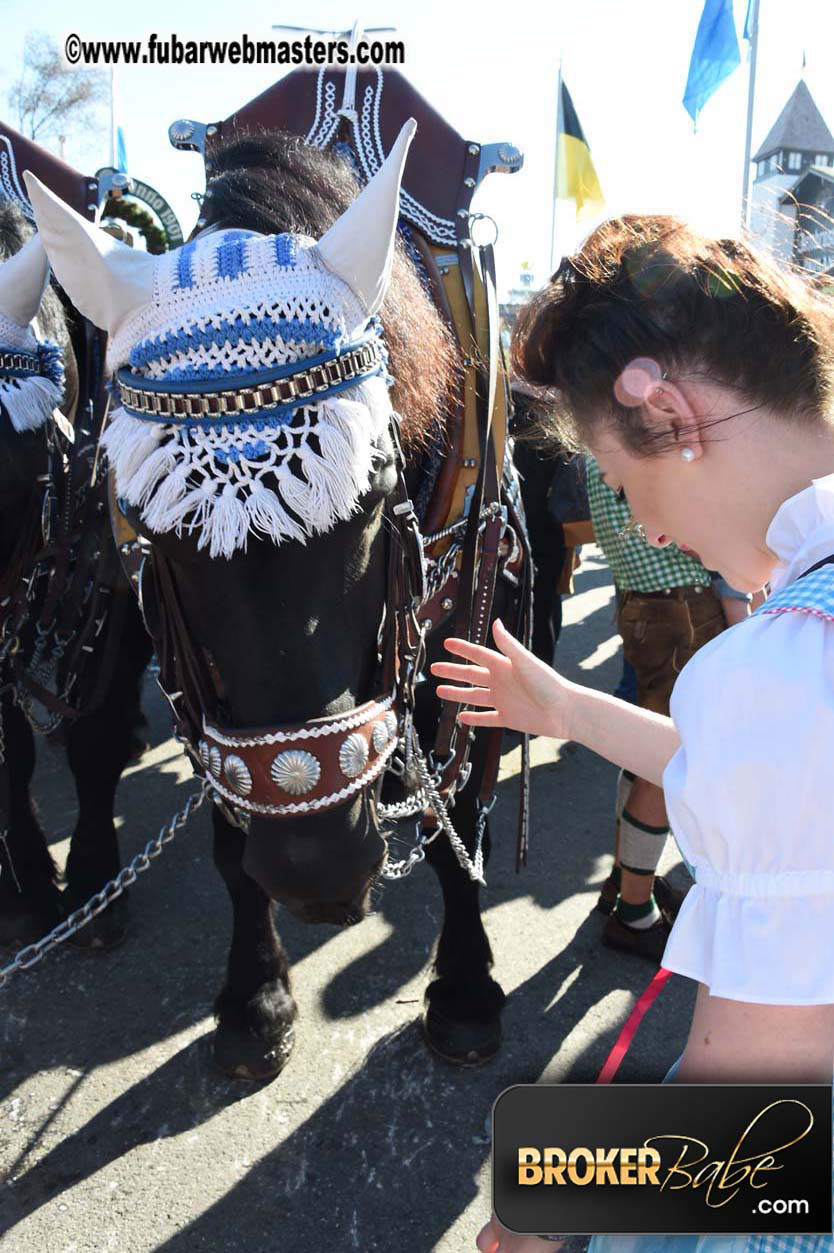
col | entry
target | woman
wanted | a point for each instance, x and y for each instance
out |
(700, 377)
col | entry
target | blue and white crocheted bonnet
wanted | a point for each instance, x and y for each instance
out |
(31, 368)
(196, 335)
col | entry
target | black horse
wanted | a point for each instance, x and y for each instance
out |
(98, 744)
(289, 633)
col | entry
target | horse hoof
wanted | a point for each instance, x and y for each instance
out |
(104, 932)
(461, 1043)
(241, 1054)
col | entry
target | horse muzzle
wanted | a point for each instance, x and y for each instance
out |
(315, 867)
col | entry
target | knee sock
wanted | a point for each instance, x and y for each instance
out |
(641, 847)
(624, 782)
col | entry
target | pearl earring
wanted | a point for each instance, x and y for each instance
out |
(687, 454)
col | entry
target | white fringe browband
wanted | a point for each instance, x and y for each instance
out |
(227, 483)
(29, 401)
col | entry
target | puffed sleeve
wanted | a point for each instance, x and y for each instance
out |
(749, 796)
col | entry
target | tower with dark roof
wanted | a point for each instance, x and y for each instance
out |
(798, 140)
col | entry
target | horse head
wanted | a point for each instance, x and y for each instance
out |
(255, 448)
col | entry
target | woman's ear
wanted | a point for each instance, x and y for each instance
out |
(669, 412)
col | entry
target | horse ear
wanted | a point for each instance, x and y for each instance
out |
(359, 247)
(104, 278)
(23, 278)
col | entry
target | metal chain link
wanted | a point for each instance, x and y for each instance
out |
(404, 809)
(33, 953)
(474, 867)
(440, 570)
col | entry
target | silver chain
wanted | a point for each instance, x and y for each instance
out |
(36, 952)
(474, 867)
(445, 532)
(441, 567)
(404, 809)
(440, 570)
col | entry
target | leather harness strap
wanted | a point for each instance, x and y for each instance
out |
(65, 607)
(478, 574)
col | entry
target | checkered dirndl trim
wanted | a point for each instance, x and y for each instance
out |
(789, 1244)
(811, 593)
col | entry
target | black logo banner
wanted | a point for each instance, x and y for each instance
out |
(672, 1159)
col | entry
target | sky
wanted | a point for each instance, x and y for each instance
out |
(491, 69)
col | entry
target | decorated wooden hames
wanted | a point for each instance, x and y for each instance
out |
(255, 446)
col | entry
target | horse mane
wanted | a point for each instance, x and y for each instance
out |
(273, 182)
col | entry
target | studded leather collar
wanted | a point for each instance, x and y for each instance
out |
(301, 769)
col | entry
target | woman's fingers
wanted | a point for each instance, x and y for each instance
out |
(473, 652)
(488, 1239)
(506, 642)
(466, 695)
(481, 718)
(477, 675)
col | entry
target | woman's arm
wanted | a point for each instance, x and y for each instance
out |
(741, 1042)
(514, 689)
(636, 739)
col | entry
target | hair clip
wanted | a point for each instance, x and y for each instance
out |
(637, 381)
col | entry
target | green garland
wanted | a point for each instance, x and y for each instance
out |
(137, 216)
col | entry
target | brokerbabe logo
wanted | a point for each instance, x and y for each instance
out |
(675, 1158)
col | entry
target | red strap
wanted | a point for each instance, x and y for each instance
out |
(629, 1031)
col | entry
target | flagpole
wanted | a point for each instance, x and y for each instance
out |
(555, 168)
(745, 184)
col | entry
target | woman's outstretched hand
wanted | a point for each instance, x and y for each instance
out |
(511, 687)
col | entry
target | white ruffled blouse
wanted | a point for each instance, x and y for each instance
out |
(750, 792)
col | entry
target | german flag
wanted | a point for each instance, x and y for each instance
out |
(576, 178)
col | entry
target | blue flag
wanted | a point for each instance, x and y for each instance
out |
(714, 56)
(121, 151)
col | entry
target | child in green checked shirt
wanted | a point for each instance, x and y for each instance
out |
(667, 608)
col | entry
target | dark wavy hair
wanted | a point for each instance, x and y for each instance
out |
(273, 182)
(651, 286)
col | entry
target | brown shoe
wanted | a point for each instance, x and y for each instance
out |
(648, 942)
(669, 899)
(607, 898)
